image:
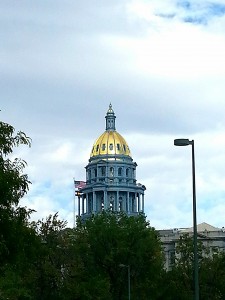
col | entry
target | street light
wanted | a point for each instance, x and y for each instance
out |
(186, 142)
(128, 274)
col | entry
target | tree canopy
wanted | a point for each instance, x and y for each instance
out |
(108, 243)
(46, 260)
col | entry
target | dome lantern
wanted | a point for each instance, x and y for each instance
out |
(110, 119)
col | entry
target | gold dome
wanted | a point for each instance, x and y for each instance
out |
(110, 143)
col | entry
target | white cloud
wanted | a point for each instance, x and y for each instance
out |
(63, 64)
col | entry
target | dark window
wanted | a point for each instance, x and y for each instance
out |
(103, 147)
(97, 148)
(118, 147)
(127, 172)
(95, 172)
(110, 146)
(120, 172)
(124, 147)
(103, 171)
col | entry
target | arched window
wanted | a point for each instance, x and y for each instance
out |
(120, 172)
(127, 172)
(95, 172)
(111, 171)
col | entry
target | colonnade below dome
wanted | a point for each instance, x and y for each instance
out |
(93, 202)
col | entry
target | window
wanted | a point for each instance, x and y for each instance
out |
(120, 172)
(118, 147)
(95, 172)
(97, 148)
(110, 146)
(111, 171)
(124, 148)
(102, 171)
(127, 172)
(103, 147)
(172, 256)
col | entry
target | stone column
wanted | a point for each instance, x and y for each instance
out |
(82, 207)
(143, 203)
(139, 203)
(117, 201)
(94, 202)
(105, 200)
(87, 203)
(78, 205)
(128, 202)
(135, 203)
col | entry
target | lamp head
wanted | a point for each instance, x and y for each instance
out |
(182, 142)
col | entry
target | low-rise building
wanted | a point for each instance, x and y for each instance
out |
(211, 237)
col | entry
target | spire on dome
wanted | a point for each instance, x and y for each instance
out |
(110, 118)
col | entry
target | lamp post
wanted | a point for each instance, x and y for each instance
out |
(128, 274)
(186, 142)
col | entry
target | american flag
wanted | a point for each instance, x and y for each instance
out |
(79, 184)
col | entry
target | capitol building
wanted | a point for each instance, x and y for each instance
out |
(111, 182)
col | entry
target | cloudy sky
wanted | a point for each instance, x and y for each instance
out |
(161, 63)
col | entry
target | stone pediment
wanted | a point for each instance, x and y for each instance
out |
(201, 228)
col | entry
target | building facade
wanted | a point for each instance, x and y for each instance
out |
(212, 237)
(111, 182)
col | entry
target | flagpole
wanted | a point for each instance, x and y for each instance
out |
(74, 215)
(74, 204)
(79, 185)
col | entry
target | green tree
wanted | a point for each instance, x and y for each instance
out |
(13, 185)
(51, 259)
(16, 237)
(105, 245)
(212, 277)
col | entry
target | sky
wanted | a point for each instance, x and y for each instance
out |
(161, 63)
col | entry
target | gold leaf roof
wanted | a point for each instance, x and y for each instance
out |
(110, 143)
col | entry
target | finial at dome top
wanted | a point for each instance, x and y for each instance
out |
(110, 110)
(110, 118)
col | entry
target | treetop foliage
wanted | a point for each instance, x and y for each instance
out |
(9, 140)
(45, 260)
